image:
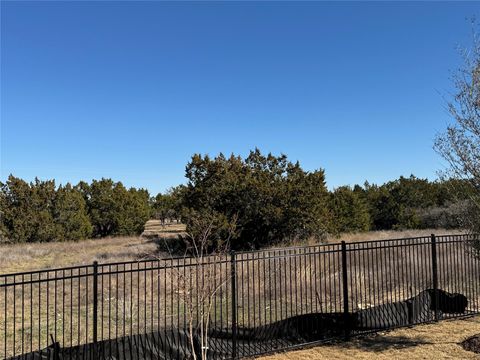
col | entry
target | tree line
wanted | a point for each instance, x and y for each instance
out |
(269, 199)
(264, 198)
(40, 211)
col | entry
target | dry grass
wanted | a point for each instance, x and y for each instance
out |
(432, 341)
(156, 228)
(305, 280)
(373, 235)
(25, 257)
(390, 234)
(288, 282)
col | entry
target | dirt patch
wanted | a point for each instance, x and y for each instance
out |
(472, 344)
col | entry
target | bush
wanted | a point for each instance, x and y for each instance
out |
(447, 217)
(406, 202)
(271, 198)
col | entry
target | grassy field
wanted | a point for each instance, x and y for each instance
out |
(265, 287)
(25, 257)
(390, 234)
(433, 341)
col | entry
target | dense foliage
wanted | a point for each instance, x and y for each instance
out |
(253, 202)
(114, 209)
(41, 212)
(268, 197)
(413, 203)
(350, 210)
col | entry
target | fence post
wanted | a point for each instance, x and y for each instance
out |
(434, 275)
(346, 315)
(233, 269)
(95, 304)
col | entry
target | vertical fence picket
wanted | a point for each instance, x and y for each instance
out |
(434, 276)
(346, 314)
(95, 305)
(233, 269)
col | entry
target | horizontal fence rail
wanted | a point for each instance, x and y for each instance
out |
(237, 305)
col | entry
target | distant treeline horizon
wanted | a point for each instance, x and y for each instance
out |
(255, 201)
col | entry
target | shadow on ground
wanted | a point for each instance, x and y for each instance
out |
(380, 343)
(170, 243)
(223, 343)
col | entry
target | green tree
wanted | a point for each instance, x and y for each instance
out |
(101, 205)
(164, 207)
(16, 212)
(382, 206)
(114, 210)
(27, 210)
(410, 194)
(350, 211)
(134, 211)
(307, 213)
(397, 204)
(43, 203)
(70, 214)
(271, 198)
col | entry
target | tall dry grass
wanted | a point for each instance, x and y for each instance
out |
(391, 234)
(36, 256)
(271, 285)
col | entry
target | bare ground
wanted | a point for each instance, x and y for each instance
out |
(431, 341)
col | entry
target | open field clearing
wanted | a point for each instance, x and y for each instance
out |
(34, 256)
(432, 341)
(156, 228)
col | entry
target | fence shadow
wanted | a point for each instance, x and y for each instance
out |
(378, 343)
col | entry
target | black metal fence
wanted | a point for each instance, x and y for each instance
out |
(237, 305)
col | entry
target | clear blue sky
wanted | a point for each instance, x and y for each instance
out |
(131, 90)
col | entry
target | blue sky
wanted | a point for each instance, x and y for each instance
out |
(130, 90)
